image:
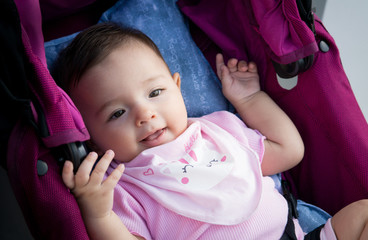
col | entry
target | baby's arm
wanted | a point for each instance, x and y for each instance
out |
(283, 147)
(95, 196)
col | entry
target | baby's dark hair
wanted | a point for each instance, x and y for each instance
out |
(90, 47)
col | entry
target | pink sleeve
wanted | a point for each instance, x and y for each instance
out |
(246, 136)
(131, 212)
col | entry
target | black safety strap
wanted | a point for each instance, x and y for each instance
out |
(315, 234)
(306, 14)
(289, 233)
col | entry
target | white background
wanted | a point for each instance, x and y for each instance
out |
(347, 22)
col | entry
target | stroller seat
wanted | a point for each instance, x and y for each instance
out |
(321, 105)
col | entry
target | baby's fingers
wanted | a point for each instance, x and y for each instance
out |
(232, 64)
(101, 167)
(219, 64)
(82, 176)
(242, 66)
(252, 67)
(111, 181)
(68, 175)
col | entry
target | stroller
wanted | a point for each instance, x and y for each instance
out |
(283, 37)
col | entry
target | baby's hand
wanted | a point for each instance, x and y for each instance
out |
(239, 79)
(94, 194)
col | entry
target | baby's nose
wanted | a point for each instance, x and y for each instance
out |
(144, 115)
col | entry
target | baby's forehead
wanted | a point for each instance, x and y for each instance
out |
(134, 43)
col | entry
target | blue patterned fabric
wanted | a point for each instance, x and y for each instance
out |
(168, 28)
(53, 47)
(310, 216)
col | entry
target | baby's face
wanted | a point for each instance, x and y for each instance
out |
(130, 102)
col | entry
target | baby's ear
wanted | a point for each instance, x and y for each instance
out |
(177, 80)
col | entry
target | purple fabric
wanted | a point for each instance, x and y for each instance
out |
(63, 119)
(50, 210)
(291, 39)
(35, 12)
(334, 170)
(64, 17)
(30, 16)
(54, 9)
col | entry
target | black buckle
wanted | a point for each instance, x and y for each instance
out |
(75, 152)
(292, 69)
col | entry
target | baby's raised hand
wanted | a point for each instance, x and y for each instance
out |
(94, 194)
(239, 79)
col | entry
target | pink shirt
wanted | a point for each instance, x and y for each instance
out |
(170, 192)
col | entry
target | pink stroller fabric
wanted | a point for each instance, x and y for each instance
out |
(334, 170)
(44, 196)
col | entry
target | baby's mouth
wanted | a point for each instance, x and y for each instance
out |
(154, 137)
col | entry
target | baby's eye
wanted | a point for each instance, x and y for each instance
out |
(117, 114)
(155, 93)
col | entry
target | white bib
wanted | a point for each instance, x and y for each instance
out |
(204, 174)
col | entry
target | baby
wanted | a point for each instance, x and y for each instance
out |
(163, 175)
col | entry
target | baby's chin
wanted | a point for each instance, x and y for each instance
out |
(125, 158)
